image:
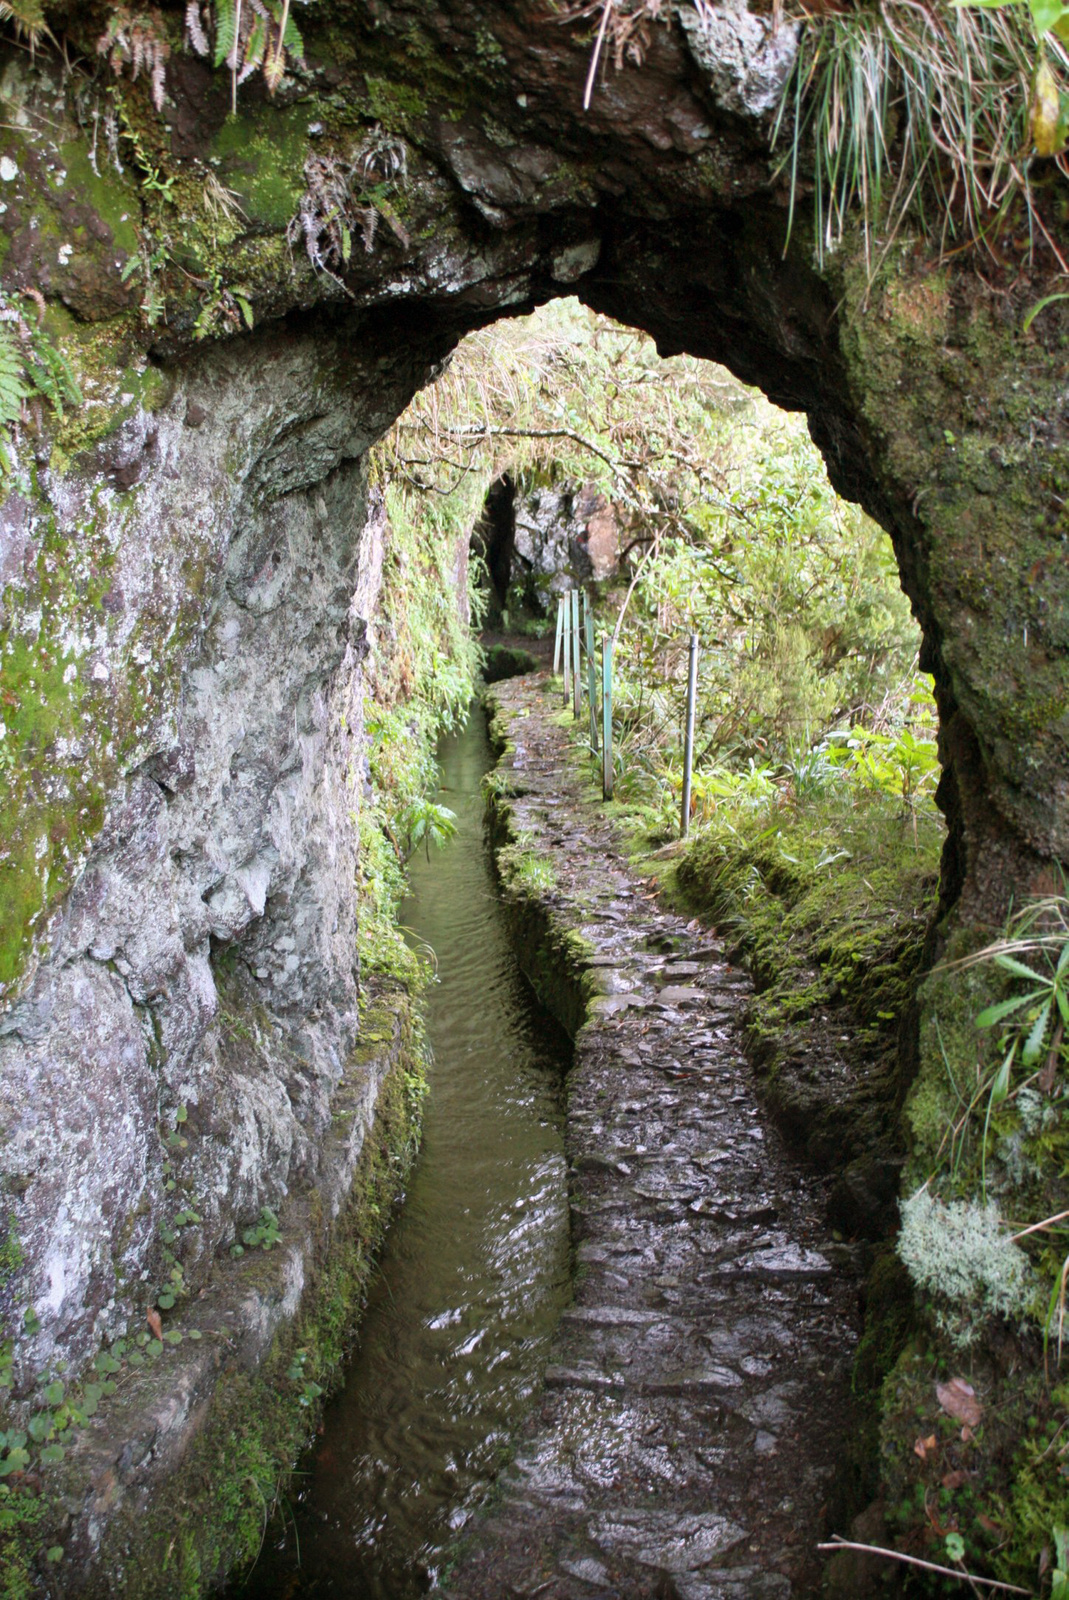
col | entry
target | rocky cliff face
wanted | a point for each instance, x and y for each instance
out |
(189, 559)
(241, 573)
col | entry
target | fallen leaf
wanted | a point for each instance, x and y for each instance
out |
(921, 1447)
(966, 1435)
(991, 1527)
(953, 1480)
(958, 1400)
(152, 1317)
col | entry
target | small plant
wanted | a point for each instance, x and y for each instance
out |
(32, 373)
(258, 36)
(263, 1236)
(138, 40)
(921, 111)
(425, 822)
(310, 1391)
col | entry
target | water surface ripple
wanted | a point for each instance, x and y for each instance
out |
(476, 1266)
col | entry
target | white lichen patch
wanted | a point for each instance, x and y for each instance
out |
(961, 1256)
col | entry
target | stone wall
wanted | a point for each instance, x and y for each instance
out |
(223, 876)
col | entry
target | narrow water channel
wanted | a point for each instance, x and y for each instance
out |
(475, 1271)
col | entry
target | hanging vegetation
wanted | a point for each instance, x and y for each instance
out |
(935, 113)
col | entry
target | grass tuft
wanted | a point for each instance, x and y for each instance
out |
(917, 112)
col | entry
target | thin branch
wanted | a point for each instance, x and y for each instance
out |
(1037, 1227)
(532, 433)
(928, 1566)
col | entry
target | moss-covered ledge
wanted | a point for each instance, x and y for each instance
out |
(549, 945)
(169, 1487)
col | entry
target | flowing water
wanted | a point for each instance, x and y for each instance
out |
(476, 1267)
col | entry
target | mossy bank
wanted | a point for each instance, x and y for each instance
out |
(170, 1484)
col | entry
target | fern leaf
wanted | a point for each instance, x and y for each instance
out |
(195, 29)
(28, 17)
(293, 40)
(225, 30)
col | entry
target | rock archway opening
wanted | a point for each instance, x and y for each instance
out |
(226, 652)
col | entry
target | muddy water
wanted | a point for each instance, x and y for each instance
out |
(476, 1267)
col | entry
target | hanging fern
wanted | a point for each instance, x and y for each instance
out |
(32, 372)
(245, 36)
(28, 17)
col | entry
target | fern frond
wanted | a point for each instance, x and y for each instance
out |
(226, 25)
(28, 17)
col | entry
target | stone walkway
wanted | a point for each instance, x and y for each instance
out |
(697, 1396)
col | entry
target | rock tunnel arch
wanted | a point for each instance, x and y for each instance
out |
(225, 544)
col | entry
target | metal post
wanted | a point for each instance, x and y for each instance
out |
(577, 671)
(591, 676)
(559, 635)
(688, 743)
(606, 717)
(566, 641)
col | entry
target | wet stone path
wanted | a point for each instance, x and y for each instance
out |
(696, 1399)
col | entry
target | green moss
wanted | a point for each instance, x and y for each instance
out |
(220, 1499)
(830, 903)
(67, 732)
(260, 155)
(1001, 1485)
(24, 1519)
(111, 196)
(394, 104)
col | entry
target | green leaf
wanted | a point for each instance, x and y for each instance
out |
(1034, 1043)
(173, 1336)
(1049, 300)
(54, 1553)
(52, 1453)
(1005, 1008)
(54, 1393)
(1011, 964)
(1001, 1087)
(955, 1547)
(225, 29)
(1045, 13)
(40, 1426)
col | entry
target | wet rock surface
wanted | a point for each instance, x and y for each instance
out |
(697, 1392)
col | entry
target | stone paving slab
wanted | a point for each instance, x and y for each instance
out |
(698, 1390)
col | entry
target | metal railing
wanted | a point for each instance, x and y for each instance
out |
(570, 644)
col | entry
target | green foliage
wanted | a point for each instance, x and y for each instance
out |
(263, 1235)
(568, 393)
(245, 39)
(32, 371)
(27, 16)
(420, 679)
(806, 677)
(828, 894)
(425, 822)
(916, 112)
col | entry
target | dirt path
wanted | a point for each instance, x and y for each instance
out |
(696, 1399)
